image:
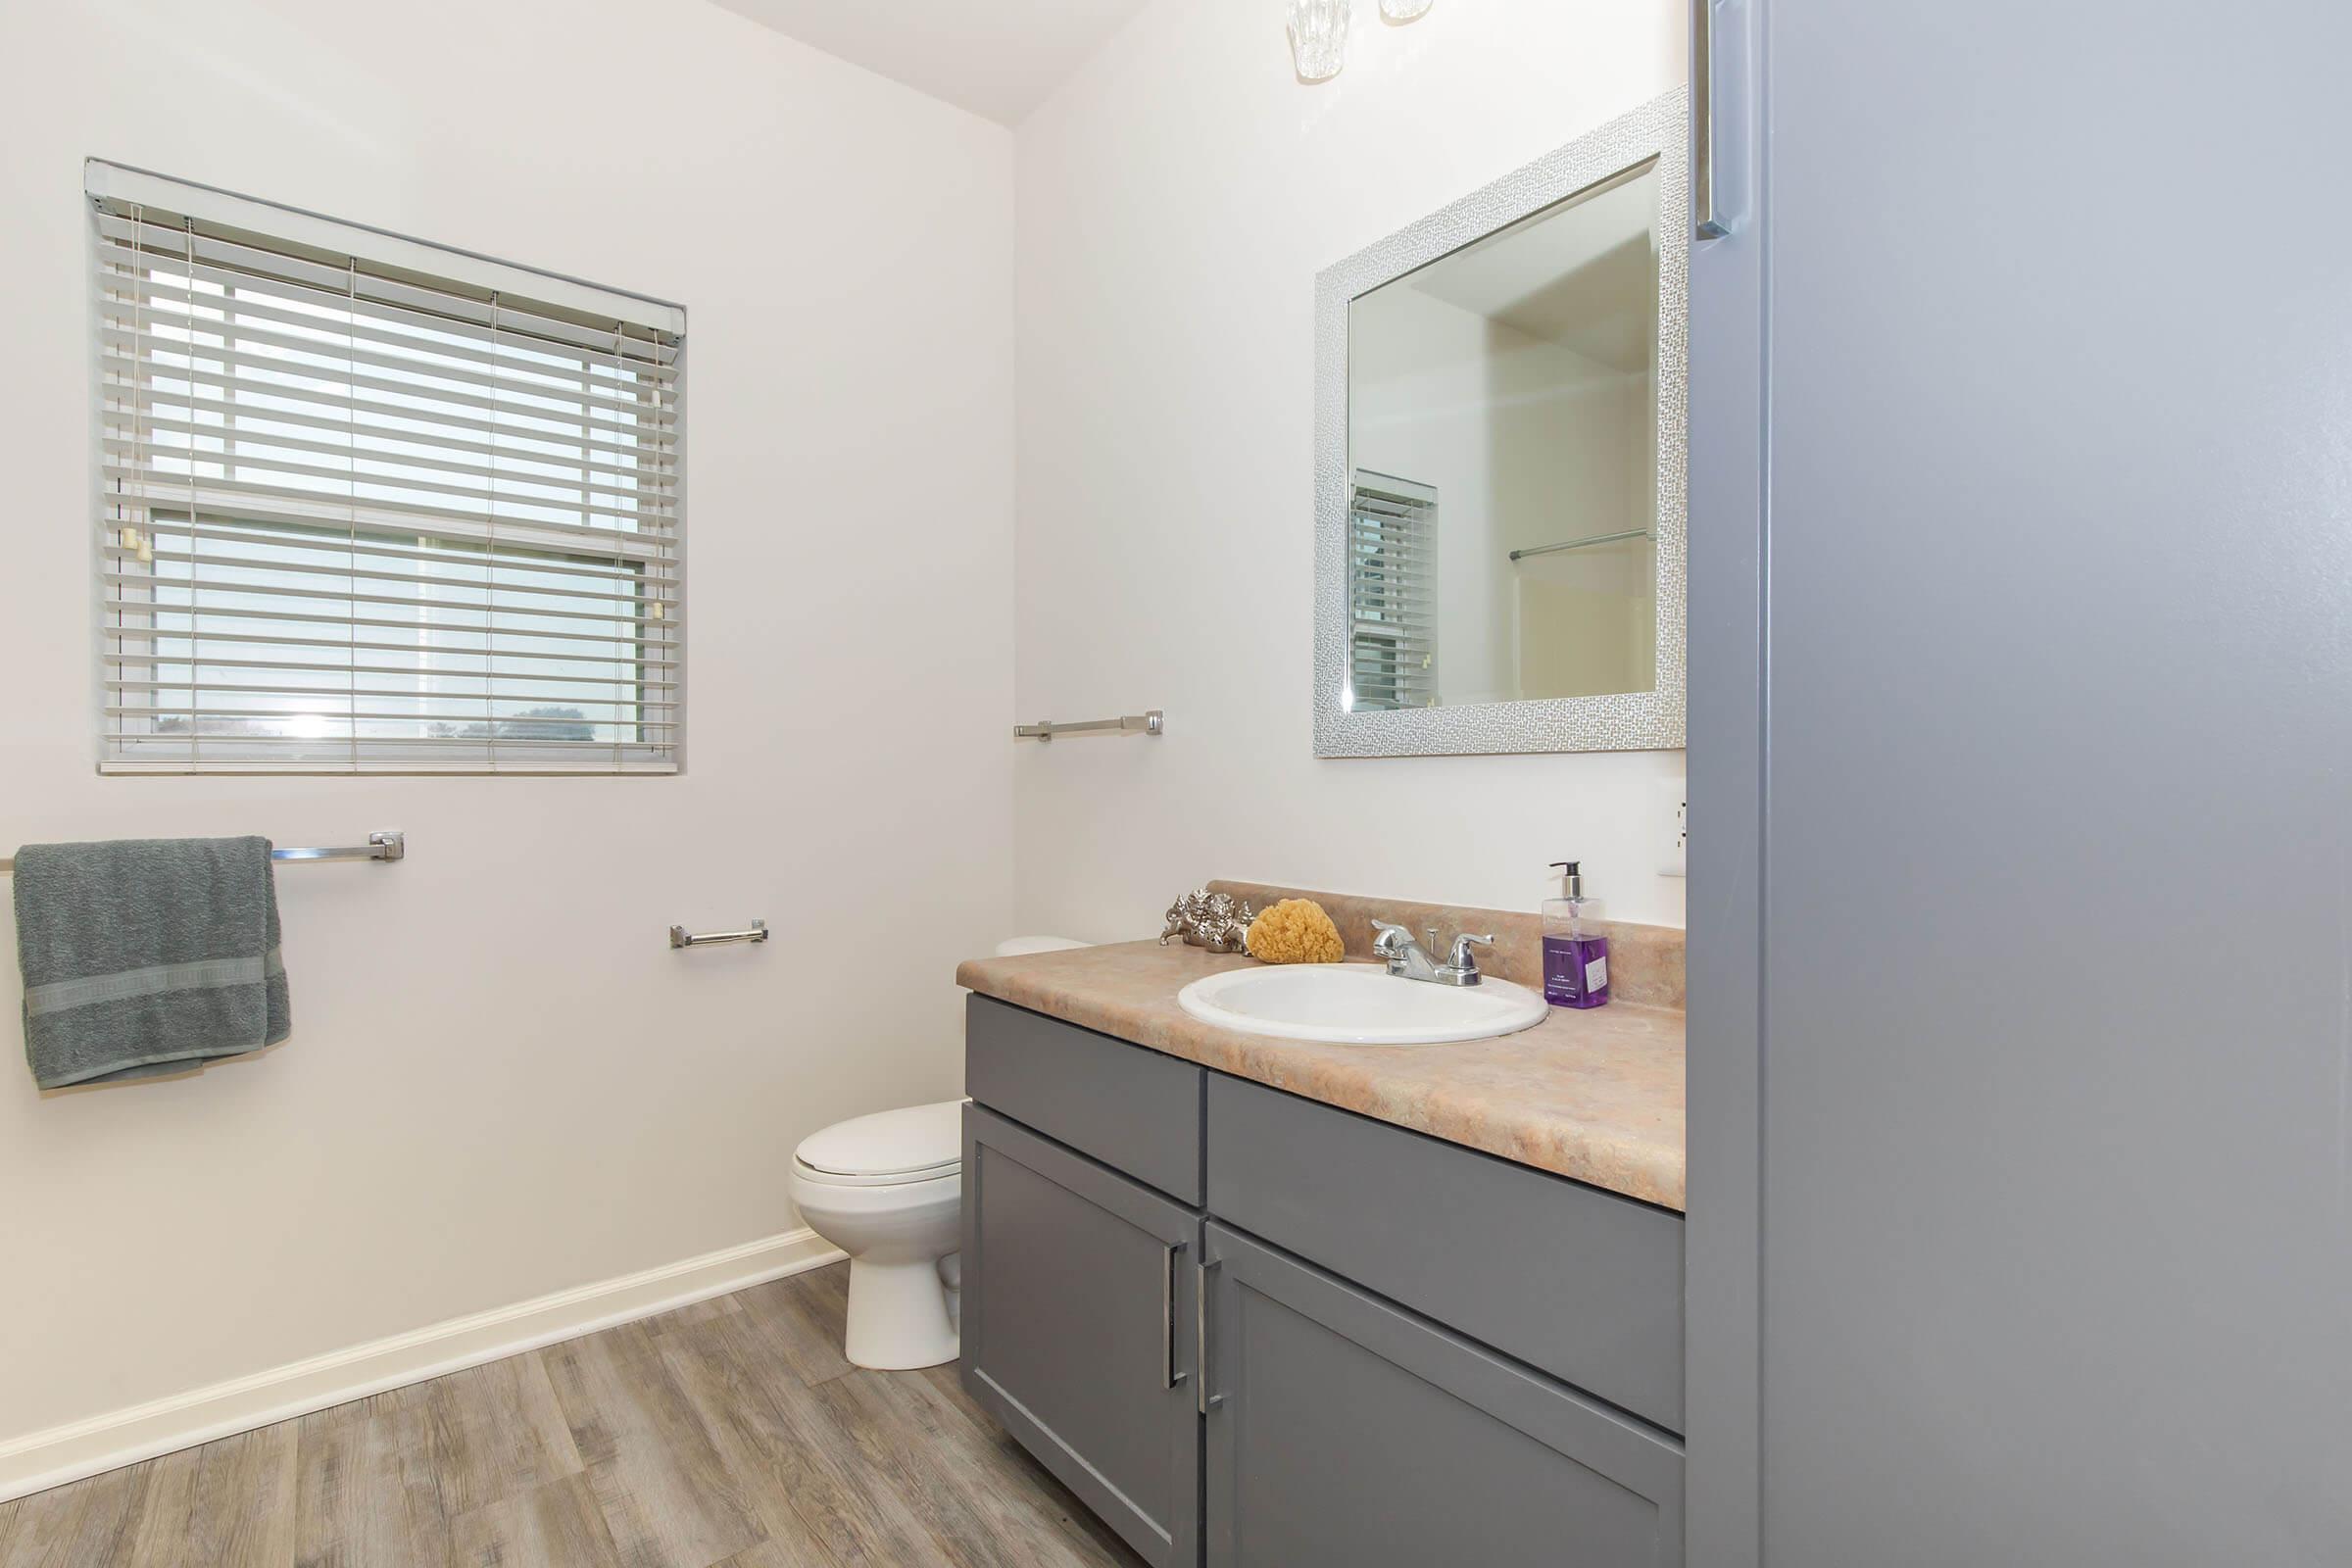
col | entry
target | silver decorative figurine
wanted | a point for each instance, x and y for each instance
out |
(1217, 921)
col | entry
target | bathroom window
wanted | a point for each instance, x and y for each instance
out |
(367, 504)
(1391, 593)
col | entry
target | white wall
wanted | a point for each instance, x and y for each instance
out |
(1177, 198)
(501, 1081)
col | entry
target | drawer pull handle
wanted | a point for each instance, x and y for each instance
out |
(1167, 1311)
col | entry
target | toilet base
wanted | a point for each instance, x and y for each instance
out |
(900, 1317)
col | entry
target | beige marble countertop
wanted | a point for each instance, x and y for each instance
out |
(1597, 1096)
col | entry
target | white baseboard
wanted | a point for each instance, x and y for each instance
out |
(43, 1459)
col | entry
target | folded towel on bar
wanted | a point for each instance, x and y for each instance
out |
(146, 955)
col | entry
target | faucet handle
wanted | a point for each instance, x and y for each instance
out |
(1463, 960)
(1385, 935)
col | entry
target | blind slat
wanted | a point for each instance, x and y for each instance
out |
(153, 661)
(214, 639)
(473, 701)
(421, 747)
(154, 355)
(169, 513)
(614, 618)
(370, 716)
(517, 372)
(125, 432)
(281, 666)
(124, 385)
(373, 764)
(212, 493)
(164, 294)
(653, 573)
(510, 491)
(127, 270)
(217, 582)
(643, 634)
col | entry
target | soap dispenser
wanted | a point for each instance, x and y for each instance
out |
(1576, 957)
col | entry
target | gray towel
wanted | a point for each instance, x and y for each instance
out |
(146, 955)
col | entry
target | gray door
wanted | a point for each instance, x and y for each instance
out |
(1345, 1432)
(1076, 1285)
(2021, 746)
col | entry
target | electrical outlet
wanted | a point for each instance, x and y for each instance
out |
(1674, 796)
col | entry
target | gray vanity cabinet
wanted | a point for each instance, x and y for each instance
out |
(1414, 1354)
(1079, 1329)
(1345, 1431)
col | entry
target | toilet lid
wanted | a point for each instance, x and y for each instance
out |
(916, 1142)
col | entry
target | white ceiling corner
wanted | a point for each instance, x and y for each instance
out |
(997, 58)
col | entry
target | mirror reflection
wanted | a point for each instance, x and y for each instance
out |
(1502, 427)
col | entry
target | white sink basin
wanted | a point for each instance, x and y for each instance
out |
(1359, 1005)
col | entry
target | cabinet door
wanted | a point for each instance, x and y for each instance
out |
(1344, 1430)
(1076, 1283)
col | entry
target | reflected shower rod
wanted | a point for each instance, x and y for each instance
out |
(1579, 544)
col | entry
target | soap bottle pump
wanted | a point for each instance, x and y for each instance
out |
(1576, 957)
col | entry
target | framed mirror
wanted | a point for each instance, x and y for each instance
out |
(1499, 461)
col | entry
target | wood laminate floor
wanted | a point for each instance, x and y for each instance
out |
(729, 1433)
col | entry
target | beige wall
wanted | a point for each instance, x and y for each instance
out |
(1177, 199)
(501, 1081)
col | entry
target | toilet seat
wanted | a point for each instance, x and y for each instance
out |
(889, 1149)
(833, 1178)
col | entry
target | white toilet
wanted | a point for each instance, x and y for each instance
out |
(888, 1190)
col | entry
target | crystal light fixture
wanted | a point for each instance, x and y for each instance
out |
(1403, 10)
(1319, 37)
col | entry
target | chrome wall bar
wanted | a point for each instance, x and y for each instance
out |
(387, 847)
(680, 937)
(1045, 729)
(1580, 544)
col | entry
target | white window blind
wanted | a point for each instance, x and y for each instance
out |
(369, 505)
(1391, 593)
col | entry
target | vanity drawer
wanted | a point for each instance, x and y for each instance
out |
(1582, 1284)
(1129, 1107)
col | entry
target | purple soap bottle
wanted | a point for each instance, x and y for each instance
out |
(1576, 957)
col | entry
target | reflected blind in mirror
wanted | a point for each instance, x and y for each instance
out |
(1391, 593)
(369, 505)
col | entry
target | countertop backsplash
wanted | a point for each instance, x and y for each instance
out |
(1645, 962)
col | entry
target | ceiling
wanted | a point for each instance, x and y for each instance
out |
(997, 58)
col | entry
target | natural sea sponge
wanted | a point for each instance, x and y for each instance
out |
(1294, 931)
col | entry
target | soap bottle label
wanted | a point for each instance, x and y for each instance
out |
(1576, 971)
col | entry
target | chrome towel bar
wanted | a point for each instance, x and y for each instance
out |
(1148, 722)
(680, 937)
(387, 847)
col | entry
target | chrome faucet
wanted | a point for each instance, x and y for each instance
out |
(1407, 959)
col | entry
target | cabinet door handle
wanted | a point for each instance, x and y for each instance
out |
(1167, 1311)
(1202, 1401)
